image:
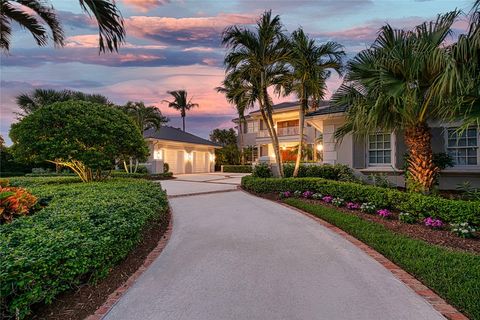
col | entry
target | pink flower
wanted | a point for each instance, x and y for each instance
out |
(307, 194)
(327, 199)
(433, 223)
(353, 206)
(384, 213)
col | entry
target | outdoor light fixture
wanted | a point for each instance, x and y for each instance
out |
(284, 148)
(319, 147)
(212, 157)
(158, 154)
(188, 156)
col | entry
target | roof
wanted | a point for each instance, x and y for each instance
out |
(327, 110)
(175, 134)
(291, 104)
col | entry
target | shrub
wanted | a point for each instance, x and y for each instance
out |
(463, 230)
(327, 199)
(406, 217)
(284, 195)
(84, 231)
(317, 196)
(237, 168)
(448, 210)
(15, 202)
(339, 172)
(433, 222)
(353, 206)
(307, 194)
(338, 202)
(262, 171)
(384, 213)
(368, 207)
(297, 193)
(166, 167)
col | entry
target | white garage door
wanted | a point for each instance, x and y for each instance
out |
(171, 157)
(198, 161)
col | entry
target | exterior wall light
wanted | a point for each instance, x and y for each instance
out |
(212, 157)
(188, 156)
(319, 147)
(158, 154)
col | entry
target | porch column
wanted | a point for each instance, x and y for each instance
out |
(329, 144)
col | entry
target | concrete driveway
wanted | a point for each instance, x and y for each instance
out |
(236, 256)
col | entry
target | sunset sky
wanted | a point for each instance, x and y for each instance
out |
(176, 45)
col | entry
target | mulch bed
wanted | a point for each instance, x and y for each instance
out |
(440, 237)
(83, 301)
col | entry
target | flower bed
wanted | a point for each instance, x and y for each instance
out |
(83, 231)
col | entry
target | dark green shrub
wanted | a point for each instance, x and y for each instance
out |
(166, 167)
(339, 172)
(83, 231)
(237, 168)
(262, 171)
(415, 203)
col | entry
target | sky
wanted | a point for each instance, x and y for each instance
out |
(175, 45)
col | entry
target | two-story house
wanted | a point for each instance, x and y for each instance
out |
(379, 153)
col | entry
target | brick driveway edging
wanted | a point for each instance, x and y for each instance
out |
(115, 296)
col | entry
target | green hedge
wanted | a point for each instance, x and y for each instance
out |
(339, 172)
(237, 168)
(414, 203)
(453, 275)
(85, 229)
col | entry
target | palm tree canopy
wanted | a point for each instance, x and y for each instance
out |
(33, 15)
(145, 117)
(239, 93)
(29, 102)
(180, 101)
(394, 83)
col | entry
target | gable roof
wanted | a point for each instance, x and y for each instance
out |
(174, 134)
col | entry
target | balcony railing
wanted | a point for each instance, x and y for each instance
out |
(286, 131)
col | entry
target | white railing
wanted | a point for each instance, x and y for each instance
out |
(287, 131)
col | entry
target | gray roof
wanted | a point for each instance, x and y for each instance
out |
(285, 105)
(174, 134)
(327, 110)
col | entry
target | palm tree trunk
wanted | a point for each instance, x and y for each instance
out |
(183, 119)
(301, 124)
(422, 171)
(240, 136)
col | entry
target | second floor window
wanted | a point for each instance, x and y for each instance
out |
(379, 149)
(463, 147)
(252, 126)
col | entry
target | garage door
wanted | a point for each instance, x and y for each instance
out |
(172, 158)
(199, 162)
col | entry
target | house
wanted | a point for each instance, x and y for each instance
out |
(379, 153)
(182, 151)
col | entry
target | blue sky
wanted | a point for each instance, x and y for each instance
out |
(176, 45)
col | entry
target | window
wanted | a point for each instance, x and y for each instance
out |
(252, 126)
(463, 148)
(380, 149)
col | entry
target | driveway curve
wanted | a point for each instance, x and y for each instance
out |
(235, 256)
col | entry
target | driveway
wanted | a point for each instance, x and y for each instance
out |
(235, 256)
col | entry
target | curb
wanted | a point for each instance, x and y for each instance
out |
(115, 296)
(439, 304)
(201, 193)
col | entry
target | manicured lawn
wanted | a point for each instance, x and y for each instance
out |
(454, 275)
(84, 230)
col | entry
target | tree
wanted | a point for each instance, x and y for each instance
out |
(82, 136)
(238, 94)
(311, 66)
(30, 102)
(224, 137)
(257, 57)
(181, 103)
(229, 153)
(33, 15)
(145, 118)
(393, 86)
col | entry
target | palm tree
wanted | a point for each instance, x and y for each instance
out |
(311, 65)
(29, 102)
(238, 94)
(34, 14)
(393, 86)
(181, 103)
(258, 57)
(145, 117)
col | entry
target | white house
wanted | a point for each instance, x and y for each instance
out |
(182, 151)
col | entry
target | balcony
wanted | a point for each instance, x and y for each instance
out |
(281, 132)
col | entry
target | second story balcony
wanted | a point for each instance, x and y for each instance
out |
(285, 131)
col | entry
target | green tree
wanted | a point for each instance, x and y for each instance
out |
(257, 57)
(33, 15)
(224, 137)
(393, 86)
(145, 117)
(311, 65)
(82, 136)
(229, 153)
(37, 98)
(181, 103)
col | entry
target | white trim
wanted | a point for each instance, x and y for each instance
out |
(381, 166)
(465, 167)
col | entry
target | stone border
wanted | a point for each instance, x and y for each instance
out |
(440, 305)
(115, 296)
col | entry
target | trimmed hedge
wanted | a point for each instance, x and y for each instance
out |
(85, 229)
(414, 203)
(453, 275)
(338, 172)
(237, 168)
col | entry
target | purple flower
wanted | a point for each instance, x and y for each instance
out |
(353, 206)
(384, 213)
(327, 199)
(433, 222)
(307, 194)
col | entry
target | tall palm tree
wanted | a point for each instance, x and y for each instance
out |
(34, 14)
(238, 94)
(29, 102)
(311, 65)
(181, 103)
(258, 57)
(392, 86)
(145, 117)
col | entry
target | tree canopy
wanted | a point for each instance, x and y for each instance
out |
(83, 136)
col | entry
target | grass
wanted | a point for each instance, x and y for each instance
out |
(454, 275)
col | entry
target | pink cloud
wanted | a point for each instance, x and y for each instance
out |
(145, 5)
